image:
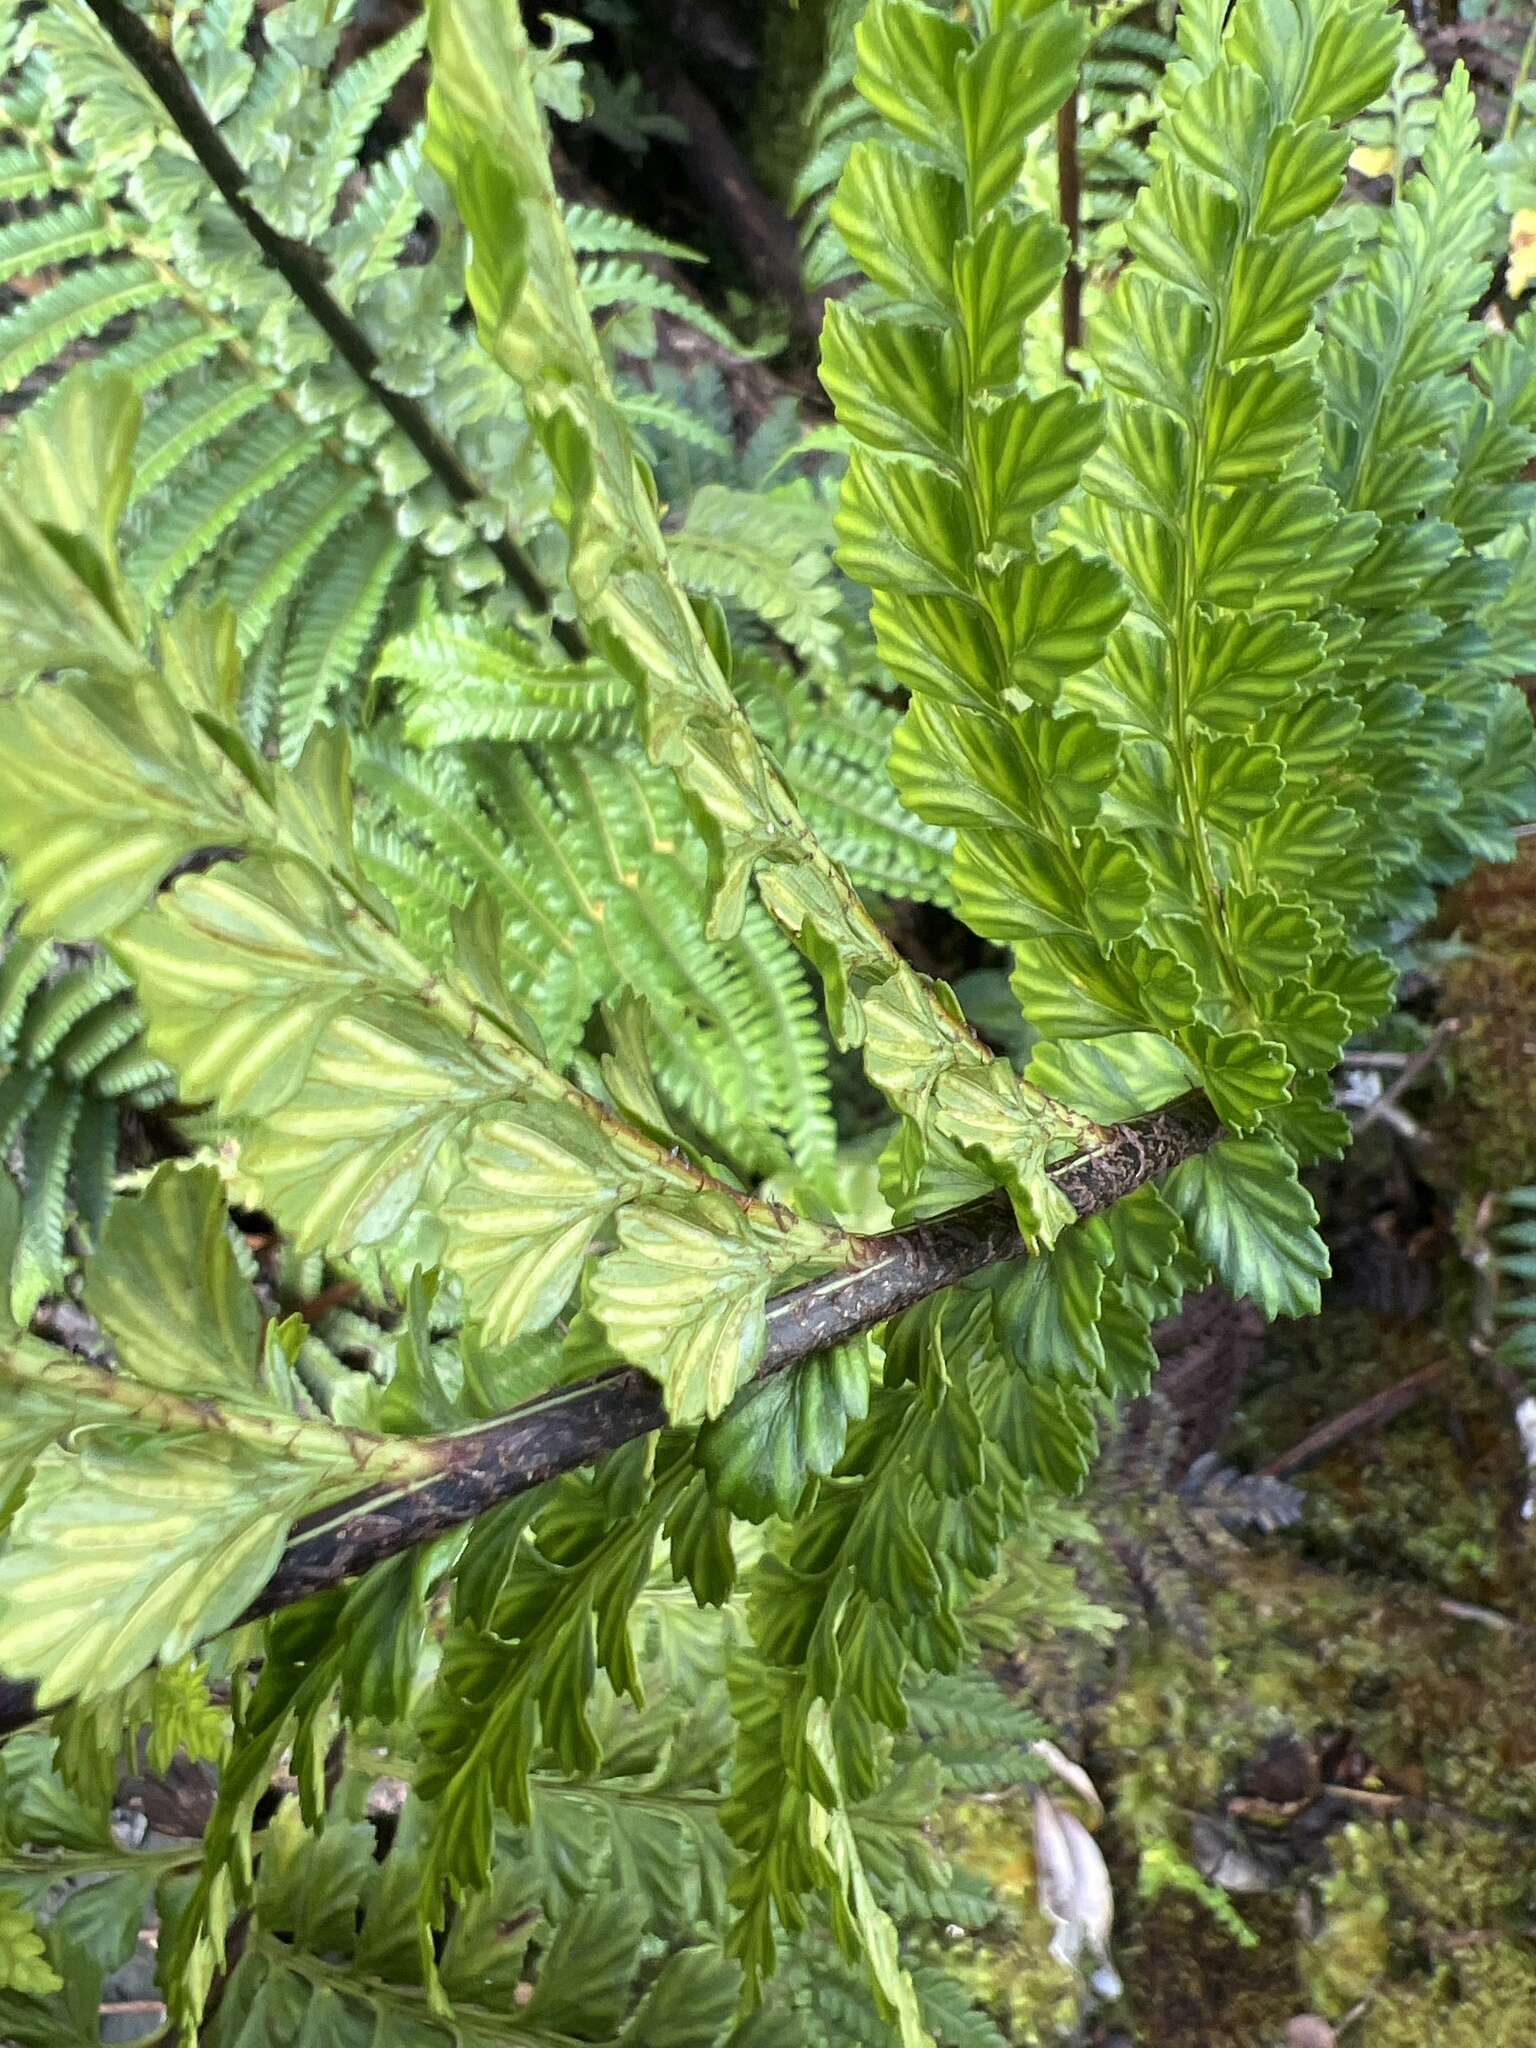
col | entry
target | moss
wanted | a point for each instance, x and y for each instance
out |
(1009, 1969)
(1416, 1500)
(1486, 1998)
(1424, 1933)
(1353, 1947)
(1402, 1859)
(1429, 1716)
(1491, 988)
(1188, 1981)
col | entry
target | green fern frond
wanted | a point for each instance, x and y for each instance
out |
(436, 831)
(22, 969)
(26, 175)
(365, 245)
(97, 1035)
(596, 233)
(295, 526)
(655, 415)
(835, 118)
(63, 1003)
(60, 234)
(21, 1089)
(765, 554)
(73, 311)
(467, 680)
(162, 348)
(72, 1057)
(853, 804)
(197, 516)
(349, 586)
(47, 1141)
(353, 101)
(93, 1166)
(978, 1733)
(775, 978)
(185, 424)
(1514, 1268)
(137, 1073)
(614, 281)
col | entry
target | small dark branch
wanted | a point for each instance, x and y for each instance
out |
(1373, 1413)
(760, 232)
(570, 1427)
(574, 1425)
(302, 270)
(1386, 1106)
(1069, 183)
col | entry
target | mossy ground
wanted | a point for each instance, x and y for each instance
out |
(1490, 988)
(1369, 1751)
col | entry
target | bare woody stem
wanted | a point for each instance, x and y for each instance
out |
(1069, 185)
(572, 1426)
(302, 270)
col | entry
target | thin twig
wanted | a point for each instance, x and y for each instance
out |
(1389, 1099)
(1380, 1408)
(1513, 111)
(571, 1426)
(1069, 183)
(301, 268)
(1485, 1617)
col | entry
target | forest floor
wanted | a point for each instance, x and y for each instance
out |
(1316, 1746)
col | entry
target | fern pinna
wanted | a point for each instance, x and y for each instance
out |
(1205, 673)
(269, 476)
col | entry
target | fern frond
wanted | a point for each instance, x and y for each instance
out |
(353, 101)
(81, 306)
(349, 586)
(80, 227)
(136, 1072)
(62, 1004)
(775, 976)
(38, 1265)
(161, 349)
(72, 1054)
(92, 1040)
(295, 526)
(442, 830)
(653, 414)
(763, 553)
(94, 1163)
(22, 969)
(366, 244)
(21, 1089)
(26, 175)
(853, 804)
(714, 1049)
(210, 41)
(198, 515)
(614, 281)
(1514, 1267)
(465, 680)
(184, 425)
(835, 119)
(594, 232)
(978, 1734)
